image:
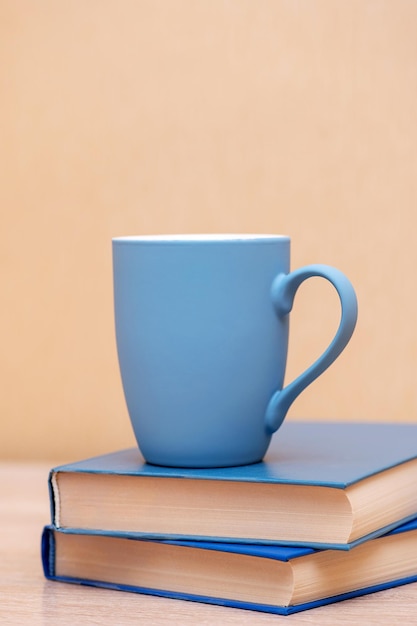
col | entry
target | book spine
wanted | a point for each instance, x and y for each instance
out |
(54, 502)
(48, 554)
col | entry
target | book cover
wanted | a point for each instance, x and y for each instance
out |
(274, 579)
(339, 479)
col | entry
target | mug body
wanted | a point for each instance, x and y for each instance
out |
(200, 347)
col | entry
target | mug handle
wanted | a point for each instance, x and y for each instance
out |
(284, 288)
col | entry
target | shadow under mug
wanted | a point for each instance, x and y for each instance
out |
(202, 338)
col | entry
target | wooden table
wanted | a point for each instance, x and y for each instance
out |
(27, 598)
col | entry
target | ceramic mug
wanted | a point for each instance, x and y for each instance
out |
(202, 337)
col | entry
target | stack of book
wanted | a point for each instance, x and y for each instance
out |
(331, 513)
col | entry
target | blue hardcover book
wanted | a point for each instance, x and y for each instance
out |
(275, 579)
(321, 484)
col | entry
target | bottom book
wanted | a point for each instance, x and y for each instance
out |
(274, 579)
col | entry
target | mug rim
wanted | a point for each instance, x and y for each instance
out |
(201, 238)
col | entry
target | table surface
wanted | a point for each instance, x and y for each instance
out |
(27, 598)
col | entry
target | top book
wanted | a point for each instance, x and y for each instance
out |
(321, 484)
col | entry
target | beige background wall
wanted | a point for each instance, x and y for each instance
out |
(139, 116)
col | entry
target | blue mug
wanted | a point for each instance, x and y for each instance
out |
(202, 338)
